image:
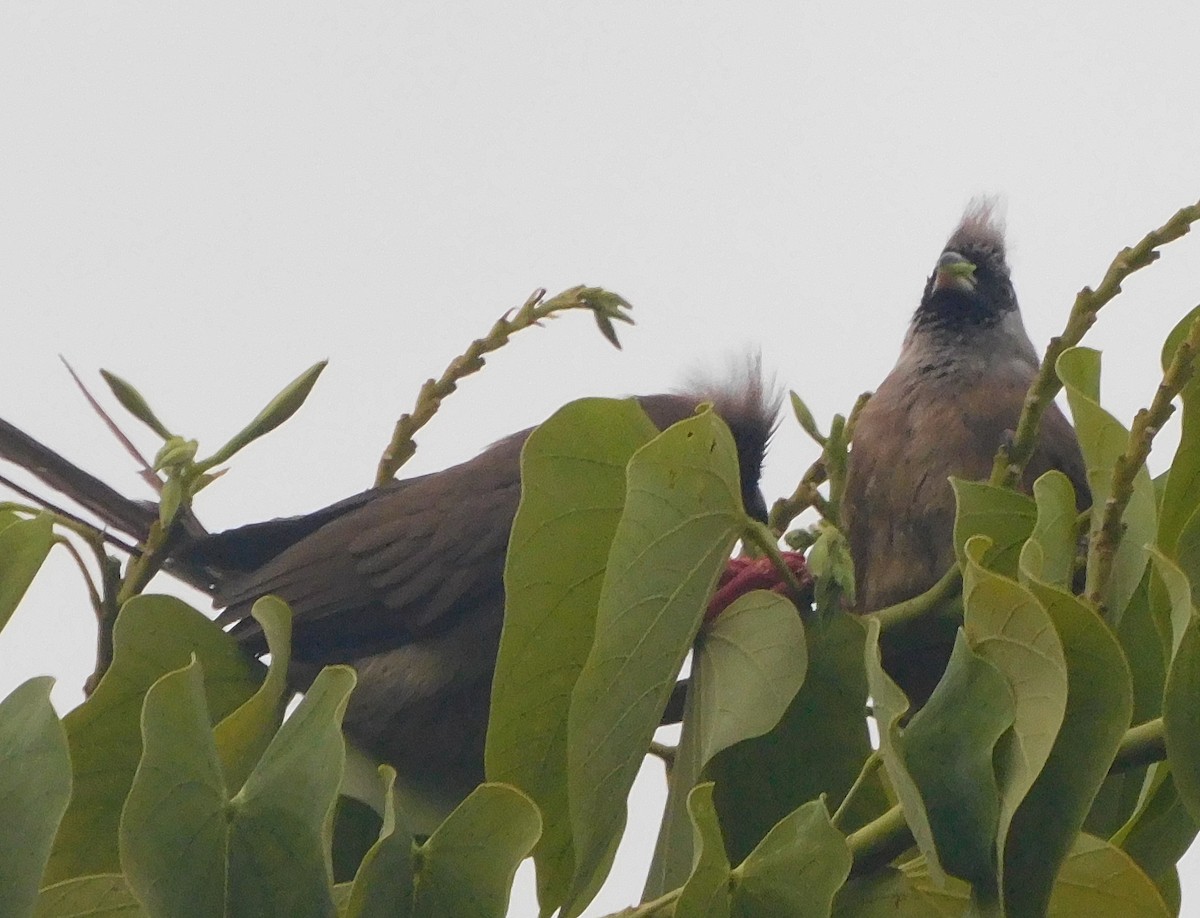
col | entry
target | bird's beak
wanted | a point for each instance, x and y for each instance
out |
(954, 273)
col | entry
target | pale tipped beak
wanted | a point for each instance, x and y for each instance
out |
(954, 273)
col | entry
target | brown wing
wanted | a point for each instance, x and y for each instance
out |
(407, 563)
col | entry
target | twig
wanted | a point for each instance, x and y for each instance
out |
(605, 306)
(806, 495)
(1146, 424)
(1012, 458)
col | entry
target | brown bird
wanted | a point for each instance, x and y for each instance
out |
(953, 398)
(403, 582)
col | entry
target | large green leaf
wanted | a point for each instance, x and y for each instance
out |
(466, 868)
(682, 515)
(173, 829)
(1161, 830)
(1098, 712)
(706, 893)
(746, 669)
(1100, 879)
(1003, 515)
(383, 886)
(817, 748)
(282, 816)
(1144, 649)
(35, 785)
(1103, 439)
(948, 749)
(1181, 497)
(1181, 713)
(905, 892)
(23, 547)
(891, 706)
(796, 870)
(105, 895)
(153, 635)
(1007, 625)
(188, 850)
(243, 736)
(572, 493)
(1054, 533)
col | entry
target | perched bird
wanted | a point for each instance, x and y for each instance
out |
(403, 582)
(953, 398)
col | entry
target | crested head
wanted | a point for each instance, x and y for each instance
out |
(747, 401)
(970, 287)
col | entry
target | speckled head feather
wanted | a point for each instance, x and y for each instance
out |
(970, 287)
(980, 230)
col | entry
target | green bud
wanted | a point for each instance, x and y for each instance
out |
(133, 402)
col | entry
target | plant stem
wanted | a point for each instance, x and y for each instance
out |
(1012, 458)
(604, 305)
(870, 766)
(1146, 424)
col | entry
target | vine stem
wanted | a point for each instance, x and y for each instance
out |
(1012, 458)
(1146, 425)
(605, 306)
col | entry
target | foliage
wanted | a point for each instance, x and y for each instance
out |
(1055, 770)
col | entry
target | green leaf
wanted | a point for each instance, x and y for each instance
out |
(1181, 497)
(1007, 625)
(188, 850)
(133, 402)
(242, 737)
(23, 547)
(1177, 592)
(682, 515)
(1004, 516)
(103, 896)
(1054, 533)
(383, 886)
(35, 785)
(747, 667)
(459, 876)
(1181, 717)
(572, 493)
(750, 663)
(795, 870)
(1100, 879)
(966, 715)
(173, 830)
(1103, 439)
(1143, 648)
(153, 635)
(1098, 712)
(905, 892)
(282, 407)
(891, 706)
(1161, 830)
(282, 816)
(706, 893)
(818, 747)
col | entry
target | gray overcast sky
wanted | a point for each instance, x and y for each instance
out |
(207, 198)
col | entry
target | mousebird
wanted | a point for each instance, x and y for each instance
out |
(953, 398)
(403, 582)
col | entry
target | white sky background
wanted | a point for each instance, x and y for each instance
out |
(207, 198)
